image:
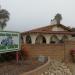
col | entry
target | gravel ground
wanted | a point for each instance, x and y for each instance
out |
(71, 65)
(57, 68)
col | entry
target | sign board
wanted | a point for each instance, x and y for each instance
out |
(9, 41)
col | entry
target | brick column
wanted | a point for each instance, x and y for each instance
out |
(33, 38)
(24, 39)
(47, 37)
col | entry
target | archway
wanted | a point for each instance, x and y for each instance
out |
(64, 38)
(40, 39)
(54, 39)
(28, 39)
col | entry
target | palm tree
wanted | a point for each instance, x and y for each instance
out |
(4, 17)
(58, 18)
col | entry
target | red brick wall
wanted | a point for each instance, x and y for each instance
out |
(56, 51)
(68, 46)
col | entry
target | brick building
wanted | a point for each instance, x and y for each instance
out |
(55, 40)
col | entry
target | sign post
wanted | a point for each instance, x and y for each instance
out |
(17, 56)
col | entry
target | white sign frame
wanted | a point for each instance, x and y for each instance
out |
(9, 41)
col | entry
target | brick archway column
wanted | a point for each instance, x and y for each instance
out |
(47, 37)
(33, 38)
(24, 39)
(59, 37)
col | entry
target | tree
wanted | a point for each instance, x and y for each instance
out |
(4, 17)
(58, 18)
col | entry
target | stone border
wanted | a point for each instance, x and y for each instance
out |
(39, 70)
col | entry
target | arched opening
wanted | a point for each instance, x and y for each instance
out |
(54, 39)
(40, 39)
(28, 39)
(64, 38)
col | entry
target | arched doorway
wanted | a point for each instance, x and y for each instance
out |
(40, 39)
(28, 39)
(54, 39)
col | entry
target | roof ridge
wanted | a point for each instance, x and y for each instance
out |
(47, 28)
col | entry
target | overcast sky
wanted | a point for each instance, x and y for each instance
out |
(29, 14)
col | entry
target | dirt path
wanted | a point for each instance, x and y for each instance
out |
(12, 68)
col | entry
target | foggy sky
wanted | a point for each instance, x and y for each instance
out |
(29, 14)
